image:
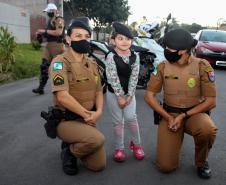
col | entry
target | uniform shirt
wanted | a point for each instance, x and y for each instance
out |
(63, 79)
(112, 75)
(56, 23)
(207, 79)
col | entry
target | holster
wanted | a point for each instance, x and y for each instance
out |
(53, 117)
(157, 116)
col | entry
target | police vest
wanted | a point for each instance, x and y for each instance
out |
(83, 80)
(52, 26)
(181, 85)
(124, 70)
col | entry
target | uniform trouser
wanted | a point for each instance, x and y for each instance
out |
(51, 50)
(86, 143)
(119, 116)
(169, 143)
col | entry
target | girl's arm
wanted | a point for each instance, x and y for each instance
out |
(134, 76)
(112, 75)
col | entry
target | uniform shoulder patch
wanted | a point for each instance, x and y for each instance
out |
(57, 65)
(209, 70)
(211, 76)
(58, 80)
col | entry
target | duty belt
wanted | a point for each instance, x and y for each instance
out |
(175, 109)
(179, 110)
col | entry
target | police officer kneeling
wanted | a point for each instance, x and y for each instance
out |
(77, 89)
(189, 93)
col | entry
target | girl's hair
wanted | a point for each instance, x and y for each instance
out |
(114, 34)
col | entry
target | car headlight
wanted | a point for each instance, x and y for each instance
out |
(205, 50)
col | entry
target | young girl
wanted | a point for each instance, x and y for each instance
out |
(122, 69)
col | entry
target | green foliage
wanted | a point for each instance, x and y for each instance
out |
(36, 45)
(27, 64)
(193, 28)
(103, 12)
(7, 50)
(27, 61)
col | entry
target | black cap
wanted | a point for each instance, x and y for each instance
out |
(80, 22)
(119, 28)
(179, 39)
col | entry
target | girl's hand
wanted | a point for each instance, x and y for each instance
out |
(128, 100)
(122, 102)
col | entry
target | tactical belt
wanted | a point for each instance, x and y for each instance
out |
(175, 109)
(179, 110)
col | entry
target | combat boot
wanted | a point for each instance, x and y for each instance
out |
(69, 162)
(38, 90)
(204, 171)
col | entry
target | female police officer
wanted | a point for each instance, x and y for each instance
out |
(189, 92)
(76, 87)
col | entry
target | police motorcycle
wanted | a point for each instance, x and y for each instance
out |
(100, 50)
(146, 33)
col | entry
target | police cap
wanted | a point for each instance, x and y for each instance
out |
(119, 28)
(179, 39)
(80, 22)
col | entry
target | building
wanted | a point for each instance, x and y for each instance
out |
(14, 13)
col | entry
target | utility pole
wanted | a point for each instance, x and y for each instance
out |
(62, 7)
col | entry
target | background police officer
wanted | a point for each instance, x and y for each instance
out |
(189, 92)
(76, 87)
(54, 34)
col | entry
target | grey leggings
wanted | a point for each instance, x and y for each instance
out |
(120, 116)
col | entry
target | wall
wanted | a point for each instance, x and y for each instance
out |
(17, 20)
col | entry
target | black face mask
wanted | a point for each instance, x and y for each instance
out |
(172, 57)
(82, 46)
(50, 14)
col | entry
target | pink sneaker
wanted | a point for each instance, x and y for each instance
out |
(119, 155)
(138, 151)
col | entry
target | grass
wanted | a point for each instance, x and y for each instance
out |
(27, 61)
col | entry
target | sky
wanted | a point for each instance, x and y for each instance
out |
(203, 12)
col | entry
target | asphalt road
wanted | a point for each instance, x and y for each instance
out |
(28, 157)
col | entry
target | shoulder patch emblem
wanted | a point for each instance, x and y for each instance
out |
(58, 80)
(211, 76)
(58, 65)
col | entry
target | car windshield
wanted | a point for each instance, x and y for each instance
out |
(213, 36)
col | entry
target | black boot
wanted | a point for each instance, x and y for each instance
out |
(69, 162)
(38, 90)
(64, 145)
(204, 171)
(43, 77)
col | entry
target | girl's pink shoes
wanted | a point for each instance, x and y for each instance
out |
(138, 151)
(119, 155)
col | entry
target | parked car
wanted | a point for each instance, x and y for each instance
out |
(211, 46)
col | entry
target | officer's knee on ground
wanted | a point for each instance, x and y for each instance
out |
(166, 168)
(97, 166)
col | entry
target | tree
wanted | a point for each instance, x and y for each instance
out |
(102, 12)
(193, 28)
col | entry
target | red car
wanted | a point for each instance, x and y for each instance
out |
(211, 46)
